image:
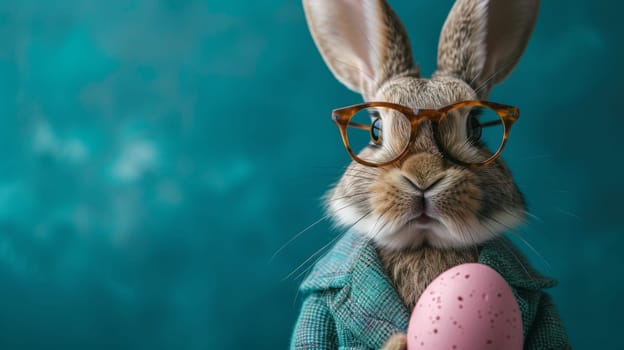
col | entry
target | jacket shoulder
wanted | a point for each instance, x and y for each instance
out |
(334, 269)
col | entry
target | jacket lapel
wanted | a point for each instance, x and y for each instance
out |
(369, 306)
(364, 300)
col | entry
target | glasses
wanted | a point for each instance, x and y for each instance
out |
(469, 133)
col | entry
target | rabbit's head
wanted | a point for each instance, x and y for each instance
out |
(425, 198)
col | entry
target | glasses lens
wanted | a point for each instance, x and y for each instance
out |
(378, 134)
(471, 134)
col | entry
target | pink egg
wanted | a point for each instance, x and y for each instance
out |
(467, 307)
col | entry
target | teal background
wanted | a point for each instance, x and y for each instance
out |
(157, 153)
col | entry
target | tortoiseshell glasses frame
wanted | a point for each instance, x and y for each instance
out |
(507, 114)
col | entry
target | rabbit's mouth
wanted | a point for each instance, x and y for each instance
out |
(415, 232)
(423, 220)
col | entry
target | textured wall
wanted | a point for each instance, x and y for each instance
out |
(156, 153)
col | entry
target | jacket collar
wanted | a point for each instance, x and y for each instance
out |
(364, 299)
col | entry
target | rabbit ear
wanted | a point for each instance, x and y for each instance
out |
(362, 41)
(482, 40)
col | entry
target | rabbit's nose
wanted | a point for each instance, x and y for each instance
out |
(423, 171)
(426, 187)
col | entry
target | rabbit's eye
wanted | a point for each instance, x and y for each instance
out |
(473, 127)
(375, 131)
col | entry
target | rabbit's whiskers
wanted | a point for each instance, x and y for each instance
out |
(485, 83)
(292, 239)
(348, 196)
(568, 213)
(517, 233)
(319, 251)
(334, 239)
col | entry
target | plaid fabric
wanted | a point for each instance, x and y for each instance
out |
(350, 303)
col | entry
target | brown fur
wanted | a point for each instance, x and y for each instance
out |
(412, 270)
(397, 341)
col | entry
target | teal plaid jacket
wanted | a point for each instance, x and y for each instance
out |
(349, 303)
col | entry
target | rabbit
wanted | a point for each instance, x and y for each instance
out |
(367, 49)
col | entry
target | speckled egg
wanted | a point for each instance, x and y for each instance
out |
(467, 307)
